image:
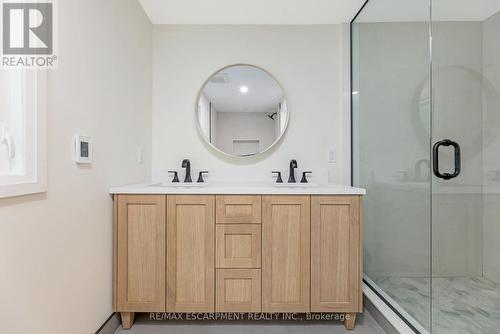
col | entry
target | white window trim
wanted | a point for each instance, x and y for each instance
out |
(38, 182)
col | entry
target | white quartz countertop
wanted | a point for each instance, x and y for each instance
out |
(238, 189)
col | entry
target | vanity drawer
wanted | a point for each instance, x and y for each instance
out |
(238, 290)
(238, 246)
(236, 209)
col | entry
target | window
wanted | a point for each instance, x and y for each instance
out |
(22, 132)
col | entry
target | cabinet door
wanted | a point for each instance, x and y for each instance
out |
(285, 253)
(140, 253)
(238, 246)
(335, 254)
(238, 290)
(190, 253)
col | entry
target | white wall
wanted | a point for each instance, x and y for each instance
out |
(306, 60)
(56, 248)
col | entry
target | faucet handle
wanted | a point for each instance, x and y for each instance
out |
(304, 177)
(279, 179)
(176, 177)
(200, 176)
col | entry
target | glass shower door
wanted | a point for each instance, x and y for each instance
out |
(391, 151)
(466, 165)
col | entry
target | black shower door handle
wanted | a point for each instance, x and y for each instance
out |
(435, 156)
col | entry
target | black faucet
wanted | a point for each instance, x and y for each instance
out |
(293, 165)
(187, 164)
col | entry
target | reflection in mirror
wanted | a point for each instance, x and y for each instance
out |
(242, 111)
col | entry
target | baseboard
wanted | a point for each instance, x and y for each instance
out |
(110, 325)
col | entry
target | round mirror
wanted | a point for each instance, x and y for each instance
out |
(242, 111)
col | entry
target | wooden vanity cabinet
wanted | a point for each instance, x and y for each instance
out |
(238, 253)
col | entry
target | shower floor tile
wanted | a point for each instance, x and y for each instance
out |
(460, 304)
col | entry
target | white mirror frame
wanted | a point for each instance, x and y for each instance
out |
(207, 140)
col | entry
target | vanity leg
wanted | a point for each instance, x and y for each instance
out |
(127, 319)
(350, 320)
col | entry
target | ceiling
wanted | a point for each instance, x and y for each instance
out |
(251, 11)
(263, 95)
(279, 12)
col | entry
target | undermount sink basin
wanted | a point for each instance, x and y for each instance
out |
(296, 185)
(179, 185)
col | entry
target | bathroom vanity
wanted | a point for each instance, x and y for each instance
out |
(238, 248)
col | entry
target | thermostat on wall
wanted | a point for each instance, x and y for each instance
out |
(83, 150)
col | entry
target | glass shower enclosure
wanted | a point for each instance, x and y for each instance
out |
(426, 146)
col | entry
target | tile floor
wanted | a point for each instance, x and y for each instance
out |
(461, 305)
(365, 324)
